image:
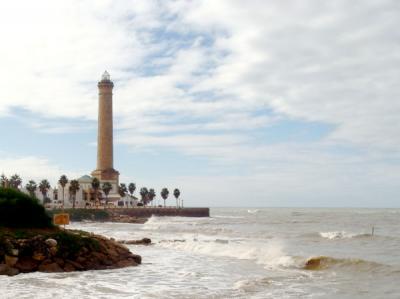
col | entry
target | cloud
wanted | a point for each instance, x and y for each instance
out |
(210, 78)
(36, 168)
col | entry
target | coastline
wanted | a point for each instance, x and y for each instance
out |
(130, 215)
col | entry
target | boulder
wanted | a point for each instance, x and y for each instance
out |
(10, 260)
(26, 264)
(52, 267)
(53, 250)
(76, 265)
(126, 263)
(51, 242)
(69, 267)
(7, 270)
(137, 258)
(144, 241)
(38, 256)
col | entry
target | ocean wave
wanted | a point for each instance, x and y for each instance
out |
(252, 285)
(269, 255)
(327, 262)
(342, 235)
(228, 217)
(255, 211)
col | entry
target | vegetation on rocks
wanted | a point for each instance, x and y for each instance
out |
(30, 242)
(21, 210)
(57, 250)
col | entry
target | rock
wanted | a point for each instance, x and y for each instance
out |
(137, 258)
(59, 261)
(53, 250)
(38, 256)
(69, 268)
(81, 260)
(7, 270)
(45, 254)
(26, 264)
(10, 260)
(52, 267)
(126, 263)
(51, 242)
(76, 265)
(98, 255)
(144, 241)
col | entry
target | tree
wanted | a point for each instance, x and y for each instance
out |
(131, 190)
(15, 181)
(107, 187)
(31, 187)
(95, 187)
(144, 194)
(63, 182)
(164, 194)
(3, 181)
(73, 189)
(122, 190)
(151, 195)
(177, 193)
(44, 186)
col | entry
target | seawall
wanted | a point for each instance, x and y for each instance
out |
(149, 211)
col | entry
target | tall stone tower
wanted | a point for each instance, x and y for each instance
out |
(105, 165)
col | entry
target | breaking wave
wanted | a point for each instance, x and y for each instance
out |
(269, 255)
(327, 262)
(342, 235)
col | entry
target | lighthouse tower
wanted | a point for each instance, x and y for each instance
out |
(105, 171)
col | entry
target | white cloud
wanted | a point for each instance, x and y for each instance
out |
(35, 168)
(201, 77)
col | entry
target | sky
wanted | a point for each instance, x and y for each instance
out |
(237, 103)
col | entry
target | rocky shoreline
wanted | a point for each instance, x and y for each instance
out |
(57, 250)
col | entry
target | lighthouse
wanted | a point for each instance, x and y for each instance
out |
(105, 171)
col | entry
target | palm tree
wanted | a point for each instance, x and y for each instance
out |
(3, 181)
(122, 190)
(177, 193)
(151, 195)
(44, 186)
(96, 187)
(15, 181)
(63, 182)
(144, 194)
(31, 187)
(73, 188)
(164, 194)
(131, 188)
(107, 187)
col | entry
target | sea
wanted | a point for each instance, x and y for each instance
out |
(240, 253)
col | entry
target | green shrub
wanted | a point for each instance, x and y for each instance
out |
(19, 210)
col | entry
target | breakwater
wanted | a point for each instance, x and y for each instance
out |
(146, 212)
(131, 215)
